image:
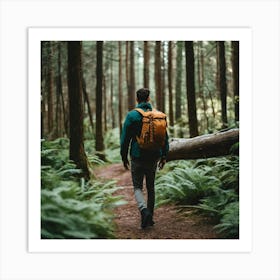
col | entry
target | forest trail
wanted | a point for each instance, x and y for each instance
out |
(169, 224)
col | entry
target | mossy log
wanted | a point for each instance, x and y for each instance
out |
(204, 146)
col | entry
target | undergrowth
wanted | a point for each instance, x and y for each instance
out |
(72, 208)
(211, 186)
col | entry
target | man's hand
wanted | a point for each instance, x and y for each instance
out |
(126, 164)
(161, 163)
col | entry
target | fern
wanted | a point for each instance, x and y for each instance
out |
(70, 207)
(211, 186)
(229, 224)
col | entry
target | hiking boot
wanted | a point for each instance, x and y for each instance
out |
(146, 218)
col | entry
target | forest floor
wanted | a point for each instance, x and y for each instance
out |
(169, 223)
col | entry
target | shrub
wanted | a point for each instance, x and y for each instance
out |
(70, 207)
(211, 186)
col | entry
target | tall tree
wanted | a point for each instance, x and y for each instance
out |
(235, 76)
(50, 77)
(193, 125)
(170, 87)
(120, 87)
(164, 58)
(77, 152)
(86, 97)
(58, 113)
(200, 78)
(99, 144)
(112, 90)
(146, 64)
(223, 82)
(131, 89)
(179, 56)
(158, 84)
(43, 110)
(60, 91)
(104, 96)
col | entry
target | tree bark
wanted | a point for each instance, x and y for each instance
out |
(193, 125)
(99, 145)
(170, 87)
(77, 152)
(200, 67)
(61, 92)
(178, 112)
(43, 77)
(50, 76)
(235, 76)
(126, 75)
(112, 92)
(204, 146)
(88, 104)
(104, 96)
(163, 77)
(131, 89)
(158, 84)
(120, 87)
(223, 82)
(146, 64)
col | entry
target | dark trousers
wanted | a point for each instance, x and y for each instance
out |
(139, 170)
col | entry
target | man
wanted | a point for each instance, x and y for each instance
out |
(143, 162)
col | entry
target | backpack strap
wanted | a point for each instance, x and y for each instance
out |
(142, 112)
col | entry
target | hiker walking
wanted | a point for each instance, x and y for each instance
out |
(144, 131)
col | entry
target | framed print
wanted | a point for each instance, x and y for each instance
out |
(44, 235)
(57, 224)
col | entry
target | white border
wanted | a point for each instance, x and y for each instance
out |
(36, 35)
(263, 260)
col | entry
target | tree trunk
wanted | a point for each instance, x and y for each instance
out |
(193, 126)
(163, 77)
(43, 77)
(104, 96)
(131, 88)
(146, 65)
(235, 77)
(120, 87)
(50, 89)
(223, 82)
(200, 66)
(178, 112)
(99, 145)
(170, 68)
(204, 146)
(77, 152)
(112, 93)
(88, 104)
(217, 70)
(158, 84)
(63, 117)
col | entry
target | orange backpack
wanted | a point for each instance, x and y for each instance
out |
(153, 130)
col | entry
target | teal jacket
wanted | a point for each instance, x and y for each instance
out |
(132, 127)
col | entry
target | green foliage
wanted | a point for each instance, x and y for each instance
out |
(209, 185)
(112, 144)
(229, 224)
(70, 207)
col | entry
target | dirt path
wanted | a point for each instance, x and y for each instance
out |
(169, 224)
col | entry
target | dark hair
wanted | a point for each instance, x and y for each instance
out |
(142, 94)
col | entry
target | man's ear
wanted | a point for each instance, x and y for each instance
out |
(148, 99)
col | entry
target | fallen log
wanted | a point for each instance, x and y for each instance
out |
(204, 146)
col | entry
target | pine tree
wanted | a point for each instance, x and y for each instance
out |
(193, 125)
(77, 152)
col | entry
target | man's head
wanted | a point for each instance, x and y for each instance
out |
(143, 95)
